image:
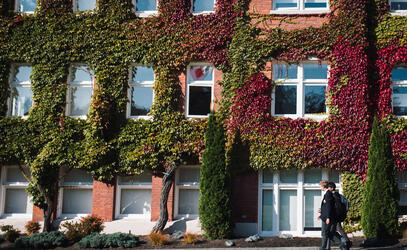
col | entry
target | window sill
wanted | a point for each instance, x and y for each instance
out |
(203, 13)
(71, 216)
(146, 13)
(299, 12)
(399, 13)
(144, 117)
(132, 216)
(196, 116)
(16, 216)
(187, 217)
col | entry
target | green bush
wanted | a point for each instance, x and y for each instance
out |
(10, 233)
(43, 240)
(352, 187)
(96, 240)
(86, 226)
(380, 195)
(215, 211)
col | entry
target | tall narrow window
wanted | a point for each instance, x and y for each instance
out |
(399, 79)
(83, 5)
(187, 191)
(145, 7)
(402, 185)
(80, 90)
(199, 90)
(141, 91)
(202, 6)
(21, 93)
(26, 6)
(398, 5)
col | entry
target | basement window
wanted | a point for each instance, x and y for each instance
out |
(21, 93)
(300, 6)
(187, 192)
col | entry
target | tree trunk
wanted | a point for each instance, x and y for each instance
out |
(165, 190)
(49, 209)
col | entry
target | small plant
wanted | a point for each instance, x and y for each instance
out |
(43, 240)
(32, 227)
(190, 238)
(158, 239)
(96, 240)
(86, 226)
(10, 233)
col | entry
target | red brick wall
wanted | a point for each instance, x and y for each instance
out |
(103, 200)
(155, 200)
(245, 197)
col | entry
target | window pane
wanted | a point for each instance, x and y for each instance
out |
(27, 5)
(143, 74)
(16, 201)
(400, 100)
(315, 71)
(203, 5)
(286, 100)
(398, 5)
(285, 71)
(189, 175)
(200, 100)
(312, 176)
(288, 210)
(81, 74)
(315, 4)
(399, 73)
(312, 199)
(15, 175)
(315, 99)
(402, 177)
(141, 100)
(21, 74)
(143, 178)
(403, 197)
(78, 177)
(80, 100)
(268, 210)
(333, 176)
(86, 5)
(77, 201)
(200, 73)
(188, 201)
(22, 100)
(146, 5)
(135, 201)
(267, 176)
(288, 176)
(286, 4)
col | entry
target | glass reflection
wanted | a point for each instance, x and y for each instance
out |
(286, 100)
(81, 96)
(315, 4)
(399, 74)
(146, 5)
(200, 100)
(141, 100)
(21, 74)
(203, 5)
(86, 5)
(315, 99)
(201, 73)
(81, 74)
(22, 100)
(27, 5)
(143, 74)
(400, 100)
(398, 5)
(315, 71)
(285, 71)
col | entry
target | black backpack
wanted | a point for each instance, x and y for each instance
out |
(341, 207)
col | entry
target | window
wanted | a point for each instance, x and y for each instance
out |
(300, 6)
(79, 90)
(187, 191)
(300, 90)
(21, 93)
(399, 79)
(402, 182)
(398, 5)
(83, 5)
(145, 8)
(202, 6)
(75, 195)
(25, 6)
(134, 196)
(289, 200)
(200, 78)
(141, 91)
(15, 201)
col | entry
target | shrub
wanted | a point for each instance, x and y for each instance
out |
(96, 240)
(86, 226)
(43, 240)
(10, 233)
(352, 188)
(32, 227)
(191, 238)
(158, 239)
(215, 211)
(380, 195)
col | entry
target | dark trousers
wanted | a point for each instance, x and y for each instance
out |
(341, 232)
(328, 233)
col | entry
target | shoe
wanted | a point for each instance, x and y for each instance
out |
(343, 246)
(349, 244)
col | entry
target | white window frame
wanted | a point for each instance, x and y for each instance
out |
(199, 84)
(203, 12)
(13, 185)
(397, 84)
(300, 9)
(178, 186)
(300, 187)
(75, 6)
(138, 84)
(398, 12)
(74, 185)
(146, 13)
(135, 186)
(25, 84)
(402, 186)
(301, 83)
(77, 84)
(17, 8)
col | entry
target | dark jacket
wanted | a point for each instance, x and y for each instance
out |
(327, 206)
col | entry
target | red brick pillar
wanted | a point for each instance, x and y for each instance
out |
(244, 197)
(155, 200)
(103, 200)
(37, 214)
